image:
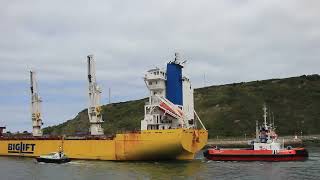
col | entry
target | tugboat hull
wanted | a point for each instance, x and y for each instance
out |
(296, 154)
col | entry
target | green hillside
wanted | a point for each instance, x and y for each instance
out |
(226, 110)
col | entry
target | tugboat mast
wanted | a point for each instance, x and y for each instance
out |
(257, 131)
(265, 116)
(35, 106)
(94, 109)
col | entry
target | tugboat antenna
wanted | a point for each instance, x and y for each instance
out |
(273, 121)
(265, 116)
(257, 130)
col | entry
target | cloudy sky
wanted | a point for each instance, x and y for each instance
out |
(225, 41)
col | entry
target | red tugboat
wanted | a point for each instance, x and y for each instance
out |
(266, 147)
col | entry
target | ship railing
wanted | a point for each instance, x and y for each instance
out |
(13, 137)
(123, 131)
(154, 102)
(151, 76)
(53, 137)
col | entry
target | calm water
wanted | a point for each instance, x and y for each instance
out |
(27, 169)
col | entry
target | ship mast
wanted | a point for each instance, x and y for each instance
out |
(35, 106)
(94, 109)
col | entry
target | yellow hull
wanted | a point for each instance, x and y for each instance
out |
(168, 144)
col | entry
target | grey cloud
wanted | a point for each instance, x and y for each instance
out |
(227, 41)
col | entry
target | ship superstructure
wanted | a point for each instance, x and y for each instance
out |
(266, 135)
(94, 109)
(171, 103)
(35, 106)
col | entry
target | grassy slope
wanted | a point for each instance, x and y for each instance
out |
(227, 110)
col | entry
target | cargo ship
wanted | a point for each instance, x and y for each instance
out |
(170, 130)
(266, 147)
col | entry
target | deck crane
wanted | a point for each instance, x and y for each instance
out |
(35, 106)
(94, 109)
